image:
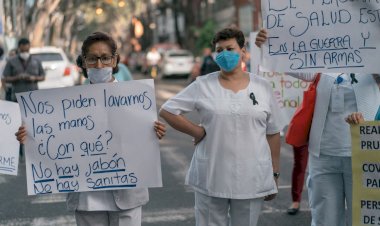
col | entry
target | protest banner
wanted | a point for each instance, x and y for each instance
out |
(10, 121)
(91, 138)
(321, 36)
(287, 90)
(366, 173)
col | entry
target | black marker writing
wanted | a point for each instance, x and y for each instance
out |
(29, 105)
(80, 102)
(5, 117)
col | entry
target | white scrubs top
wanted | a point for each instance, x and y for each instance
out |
(234, 159)
(335, 141)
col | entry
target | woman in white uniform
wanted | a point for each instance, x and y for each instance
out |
(99, 61)
(235, 165)
(330, 172)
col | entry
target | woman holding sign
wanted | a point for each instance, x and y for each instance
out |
(330, 171)
(357, 117)
(235, 166)
(98, 61)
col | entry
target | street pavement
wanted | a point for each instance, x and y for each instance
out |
(171, 205)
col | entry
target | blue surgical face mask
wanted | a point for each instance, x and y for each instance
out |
(99, 75)
(227, 60)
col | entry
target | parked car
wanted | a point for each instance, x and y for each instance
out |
(165, 46)
(177, 63)
(60, 72)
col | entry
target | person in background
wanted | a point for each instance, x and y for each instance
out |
(235, 166)
(208, 64)
(195, 70)
(8, 86)
(23, 71)
(123, 74)
(298, 177)
(99, 60)
(2, 60)
(330, 171)
(2, 65)
(153, 58)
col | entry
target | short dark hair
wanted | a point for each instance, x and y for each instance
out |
(94, 38)
(23, 41)
(229, 33)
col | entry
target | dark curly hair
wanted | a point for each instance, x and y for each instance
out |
(94, 38)
(229, 33)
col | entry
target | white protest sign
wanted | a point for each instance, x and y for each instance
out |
(287, 90)
(91, 138)
(321, 35)
(10, 121)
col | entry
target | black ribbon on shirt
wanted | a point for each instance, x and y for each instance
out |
(353, 79)
(253, 98)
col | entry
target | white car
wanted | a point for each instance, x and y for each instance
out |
(177, 62)
(59, 71)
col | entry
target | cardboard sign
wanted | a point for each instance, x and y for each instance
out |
(321, 36)
(10, 121)
(91, 138)
(288, 90)
(366, 173)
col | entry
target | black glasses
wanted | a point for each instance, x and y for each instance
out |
(94, 60)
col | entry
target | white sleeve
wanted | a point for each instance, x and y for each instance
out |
(308, 77)
(275, 122)
(184, 101)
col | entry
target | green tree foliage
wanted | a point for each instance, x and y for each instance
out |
(206, 33)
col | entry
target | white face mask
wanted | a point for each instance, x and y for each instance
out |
(99, 75)
(24, 56)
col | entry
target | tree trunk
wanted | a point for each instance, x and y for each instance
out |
(176, 25)
(30, 19)
(42, 21)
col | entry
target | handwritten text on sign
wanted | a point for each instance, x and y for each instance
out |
(91, 137)
(10, 120)
(322, 35)
(366, 171)
(287, 90)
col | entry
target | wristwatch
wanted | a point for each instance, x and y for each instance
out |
(276, 175)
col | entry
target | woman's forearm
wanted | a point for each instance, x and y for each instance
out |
(274, 142)
(182, 124)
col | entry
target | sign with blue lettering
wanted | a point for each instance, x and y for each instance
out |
(91, 138)
(287, 90)
(366, 173)
(10, 121)
(321, 35)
